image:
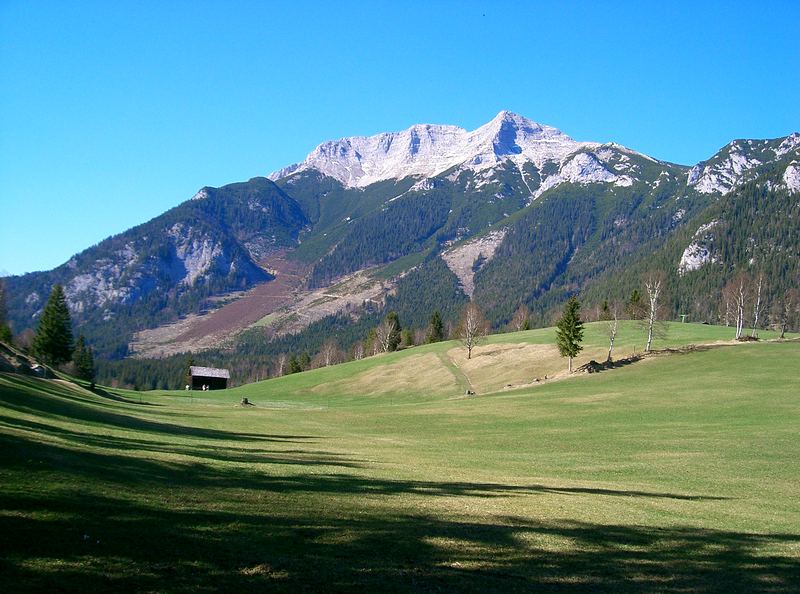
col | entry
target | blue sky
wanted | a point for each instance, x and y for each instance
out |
(113, 112)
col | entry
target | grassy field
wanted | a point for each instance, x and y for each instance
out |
(676, 473)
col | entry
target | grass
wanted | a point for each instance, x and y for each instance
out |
(675, 473)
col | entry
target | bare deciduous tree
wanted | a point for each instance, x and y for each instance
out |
(472, 328)
(611, 323)
(358, 351)
(654, 284)
(726, 308)
(280, 364)
(521, 319)
(737, 291)
(758, 303)
(786, 310)
(385, 334)
(329, 354)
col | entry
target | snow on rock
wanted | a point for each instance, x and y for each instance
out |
(736, 163)
(201, 195)
(721, 177)
(791, 177)
(698, 254)
(461, 259)
(426, 150)
(583, 168)
(789, 144)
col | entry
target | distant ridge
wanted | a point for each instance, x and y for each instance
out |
(429, 149)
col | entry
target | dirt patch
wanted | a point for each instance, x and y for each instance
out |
(282, 305)
(195, 333)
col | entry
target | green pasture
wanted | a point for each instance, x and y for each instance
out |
(676, 473)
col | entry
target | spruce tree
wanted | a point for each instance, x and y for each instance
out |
(635, 306)
(435, 328)
(395, 330)
(294, 365)
(53, 340)
(83, 358)
(187, 373)
(569, 330)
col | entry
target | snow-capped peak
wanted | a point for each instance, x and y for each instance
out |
(429, 149)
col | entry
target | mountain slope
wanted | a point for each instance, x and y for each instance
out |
(169, 266)
(512, 212)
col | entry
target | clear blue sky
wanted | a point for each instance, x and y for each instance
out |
(111, 112)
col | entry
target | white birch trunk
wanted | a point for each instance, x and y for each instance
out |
(757, 306)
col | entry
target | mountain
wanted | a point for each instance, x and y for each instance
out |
(513, 212)
(172, 265)
(426, 151)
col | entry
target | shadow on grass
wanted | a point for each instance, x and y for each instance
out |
(50, 400)
(117, 545)
(77, 520)
(21, 452)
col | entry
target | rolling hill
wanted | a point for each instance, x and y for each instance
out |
(675, 473)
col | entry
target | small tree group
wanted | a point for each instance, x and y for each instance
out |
(741, 293)
(53, 342)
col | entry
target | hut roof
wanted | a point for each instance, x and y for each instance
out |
(209, 372)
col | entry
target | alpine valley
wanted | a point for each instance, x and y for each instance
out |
(416, 221)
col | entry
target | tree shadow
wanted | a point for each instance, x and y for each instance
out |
(47, 400)
(115, 544)
(80, 511)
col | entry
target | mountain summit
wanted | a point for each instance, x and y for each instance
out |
(429, 149)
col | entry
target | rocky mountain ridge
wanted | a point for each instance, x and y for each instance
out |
(509, 192)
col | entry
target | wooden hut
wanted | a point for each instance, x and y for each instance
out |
(214, 379)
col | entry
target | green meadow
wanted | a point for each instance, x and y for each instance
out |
(676, 473)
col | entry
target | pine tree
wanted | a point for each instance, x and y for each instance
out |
(83, 358)
(187, 374)
(605, 311)
(294, 365)
(635, 306)
(53, 340)
(435, 328)
(396, 333)
(569, 330)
